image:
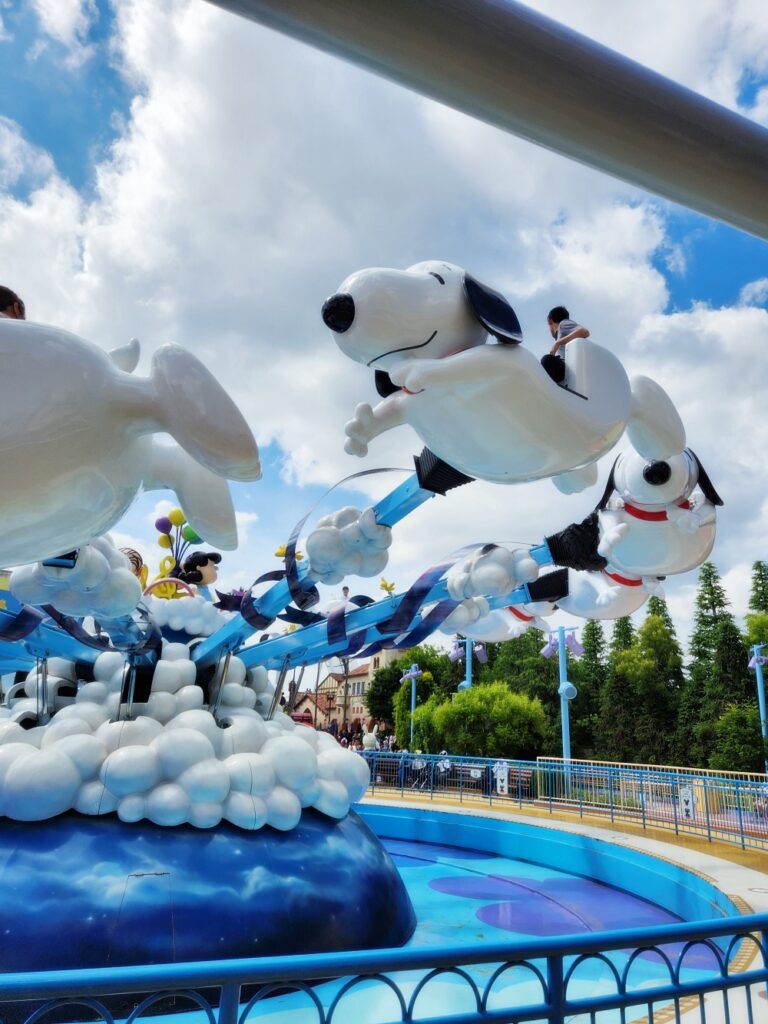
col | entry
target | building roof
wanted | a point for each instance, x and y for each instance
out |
(323, 701)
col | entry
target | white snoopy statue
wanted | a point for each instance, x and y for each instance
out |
(77, 447)
(488, 410)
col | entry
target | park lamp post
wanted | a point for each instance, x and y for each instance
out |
(470, 648)
(756, 663)
(413, 674)
(564, 638)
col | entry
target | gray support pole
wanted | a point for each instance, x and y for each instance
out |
(520, 71)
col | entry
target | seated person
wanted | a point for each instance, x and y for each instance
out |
(563, 330)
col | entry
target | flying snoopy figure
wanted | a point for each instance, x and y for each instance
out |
(449, 361)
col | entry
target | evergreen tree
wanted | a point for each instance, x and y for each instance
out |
(699, 707)
(616, 732)
(758, 597)
(711, 609)
(658, 606)
(588, 674)
(622, 636)
(660, 687)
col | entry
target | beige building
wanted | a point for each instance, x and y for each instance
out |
(341, 697)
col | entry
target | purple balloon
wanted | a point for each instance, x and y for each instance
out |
(163, 524)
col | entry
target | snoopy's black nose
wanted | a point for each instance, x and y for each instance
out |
(656, 473)
(339, 312)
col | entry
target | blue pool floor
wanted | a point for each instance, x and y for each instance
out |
(468, 898)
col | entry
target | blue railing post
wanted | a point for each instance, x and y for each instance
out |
(229, 1007)
(555, 984)
(706, 808)
(675, 782)
(610, 791)
(738, 810)
(642, 797)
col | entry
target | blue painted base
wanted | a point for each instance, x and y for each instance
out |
(94, 892)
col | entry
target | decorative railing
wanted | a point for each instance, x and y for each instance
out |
(718, 969)
(728, 806)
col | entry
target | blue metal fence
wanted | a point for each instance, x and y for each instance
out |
(730, 807)
(539, 980)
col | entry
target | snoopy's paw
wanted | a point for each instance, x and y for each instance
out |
(686, 521)
(605, 598)
(360, 430)
(611, 535)
(408, 375)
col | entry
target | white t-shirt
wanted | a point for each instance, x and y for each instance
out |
(565, 327)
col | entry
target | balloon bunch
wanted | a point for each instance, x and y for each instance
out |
(179, 541)
(176, 536)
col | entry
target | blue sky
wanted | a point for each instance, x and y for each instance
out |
(171, 172)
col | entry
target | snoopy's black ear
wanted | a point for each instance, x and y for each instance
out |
(705, 483)
(384, 384)
(610, 487)
(493, 311)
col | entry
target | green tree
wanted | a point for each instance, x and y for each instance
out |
(757, 628)
(758, 596)
(484, 721)
(658, 606)
(588, 675)
(701, 704)
(711, 609)
(661, 685)
(616, 733)
(385, 683)
(401, 706)
(622, 635)
(737, 741)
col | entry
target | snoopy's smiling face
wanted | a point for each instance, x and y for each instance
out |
(380, 317)
(655, 484)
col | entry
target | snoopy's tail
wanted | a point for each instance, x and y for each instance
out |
(196, 410)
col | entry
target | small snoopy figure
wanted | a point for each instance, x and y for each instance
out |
(657, 517)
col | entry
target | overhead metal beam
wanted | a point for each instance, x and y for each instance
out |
(512, 67)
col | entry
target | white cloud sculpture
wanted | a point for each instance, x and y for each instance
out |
(348, 543)
(193, 615)
(100, 583)
(493, 571)
(173, 763)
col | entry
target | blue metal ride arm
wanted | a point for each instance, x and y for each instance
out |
(394, 507)
(310, 644)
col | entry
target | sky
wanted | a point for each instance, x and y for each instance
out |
(173, 173)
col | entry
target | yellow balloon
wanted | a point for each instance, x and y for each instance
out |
(177, 517)
(164, 540)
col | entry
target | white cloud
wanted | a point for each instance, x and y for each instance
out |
(245, 520)
(755, 293)
(19, 160)
(67, 22)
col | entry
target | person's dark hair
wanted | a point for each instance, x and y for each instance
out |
(190, 567)
(558, 314)
(8, 297)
